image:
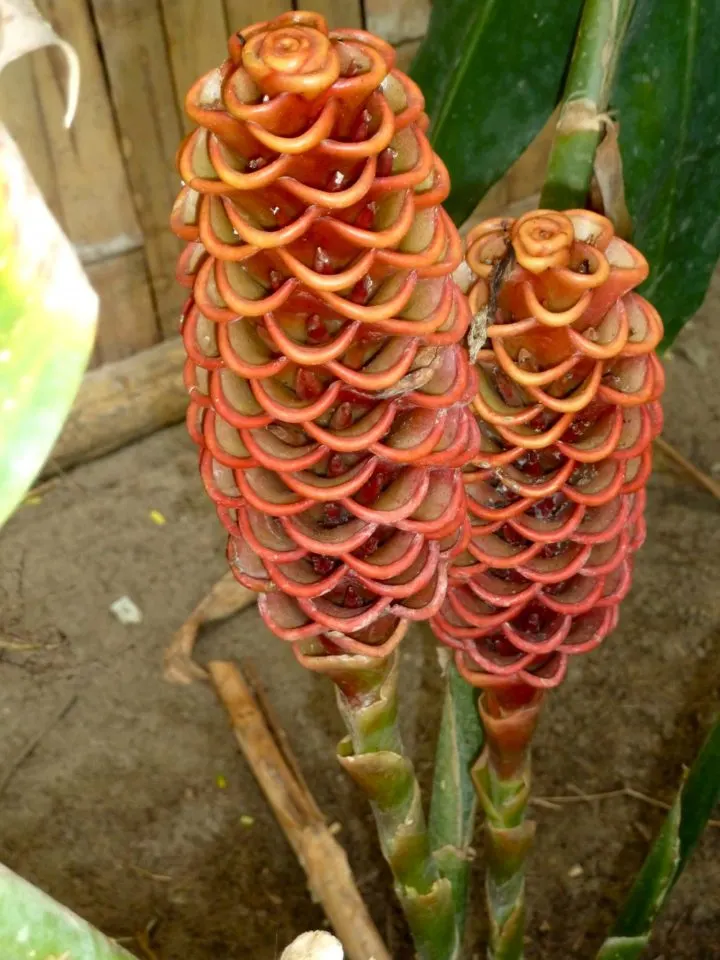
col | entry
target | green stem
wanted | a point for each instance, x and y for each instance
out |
(454, 802)
(585, 98)
(502, 781)
(372, 754)
(683, 827)
(32, 925)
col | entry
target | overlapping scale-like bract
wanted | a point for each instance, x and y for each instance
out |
(328, 386)
(567, 405)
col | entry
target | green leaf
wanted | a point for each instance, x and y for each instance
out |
(454, 801)
(47, 325)
(670, 853)
(32, 925)
(623, 948)
(491, 78)
(667, 103)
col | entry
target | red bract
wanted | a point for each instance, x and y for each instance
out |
(328, 388)
(567, 406)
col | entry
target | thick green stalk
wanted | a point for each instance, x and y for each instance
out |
(669, 854)
(502, 781)
(585, 101)
(454, 801)
(35, 927)
(372, 754)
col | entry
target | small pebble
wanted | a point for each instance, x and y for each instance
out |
(126, 611)
(575, 871)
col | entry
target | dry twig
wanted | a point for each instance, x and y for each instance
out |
(32, 745)
(276, 729)
(712, 486)
(578, 796)
(144, 941)
(226, 598)
(321, 856)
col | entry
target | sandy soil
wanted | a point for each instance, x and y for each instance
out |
(130, 807)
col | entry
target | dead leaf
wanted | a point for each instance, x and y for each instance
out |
(607, 190)
(428, 360)
(226, 598)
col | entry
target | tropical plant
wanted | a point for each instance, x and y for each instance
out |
(329, 393)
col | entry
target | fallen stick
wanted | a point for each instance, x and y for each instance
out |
(31, 746)
(321, 856)
(225, 598)
(712, 486)
(276, 729)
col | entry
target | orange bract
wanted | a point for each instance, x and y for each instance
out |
(567, 405)
(328, 386)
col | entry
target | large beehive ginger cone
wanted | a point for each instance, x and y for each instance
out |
(567, 406)
(328, 388)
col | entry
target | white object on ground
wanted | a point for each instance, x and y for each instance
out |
(316, 945)
(126, 611)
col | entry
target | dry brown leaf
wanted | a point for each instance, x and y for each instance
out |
(226, 598)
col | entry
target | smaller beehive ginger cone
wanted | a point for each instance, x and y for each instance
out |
(567, 406)
(328, 385)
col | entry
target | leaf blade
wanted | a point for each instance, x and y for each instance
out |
(48, 313)
(490, 83)
(34, 925)
(669, 854)
(669, 140)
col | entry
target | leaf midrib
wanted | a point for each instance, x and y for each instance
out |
(479, 22)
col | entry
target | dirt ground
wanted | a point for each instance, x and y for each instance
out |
(133, 808)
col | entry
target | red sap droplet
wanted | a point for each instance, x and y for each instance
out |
(352, 598)
(499, 644)
(322, 565)
(342, 417)
(366, 218)
(361, 291)
(334, 515)
(308, 385)
(385, 162)
(321, 261)
(335, 465)
(510, 535)
(362, 126)
(276, 279)
(369, 547)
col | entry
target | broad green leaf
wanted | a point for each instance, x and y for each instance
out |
(669, 854)
(47, 325)
(668, 104)
(623, 948)
(492, 74)
(35, 927)
(48, 310)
